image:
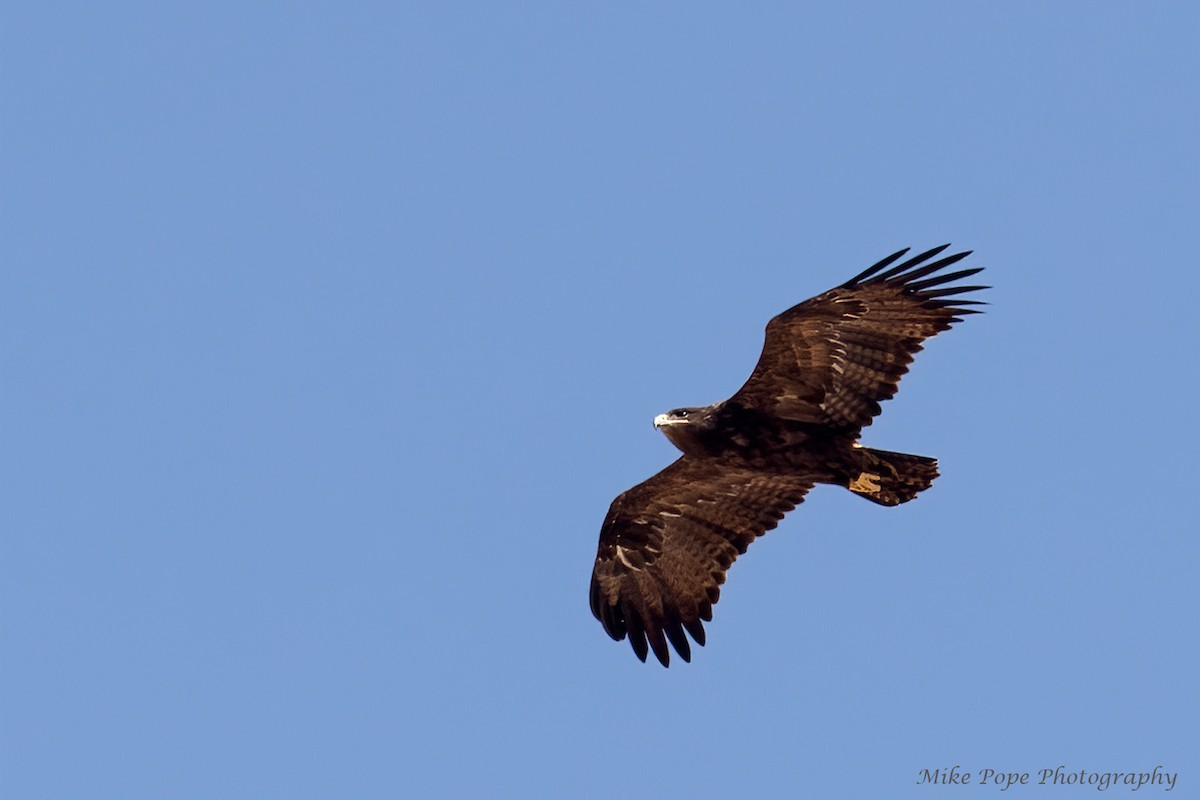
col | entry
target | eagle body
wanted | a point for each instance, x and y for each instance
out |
(730, 429)
(826, 364)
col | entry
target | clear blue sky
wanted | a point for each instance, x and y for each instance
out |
(331, 330)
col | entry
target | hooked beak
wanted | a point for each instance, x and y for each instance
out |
(663, 419)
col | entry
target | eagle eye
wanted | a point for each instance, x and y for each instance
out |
(679, 412)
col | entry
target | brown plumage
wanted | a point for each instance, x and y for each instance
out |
(825, 366)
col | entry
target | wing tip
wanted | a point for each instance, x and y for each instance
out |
(646, 637)
(876, 272)
(917, 278)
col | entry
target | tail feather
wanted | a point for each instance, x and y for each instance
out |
(890, 479)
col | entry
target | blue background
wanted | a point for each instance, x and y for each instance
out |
(331, 330)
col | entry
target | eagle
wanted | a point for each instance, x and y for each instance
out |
(825, 366)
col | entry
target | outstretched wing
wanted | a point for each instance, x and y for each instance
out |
(666, 544)
(832, 359)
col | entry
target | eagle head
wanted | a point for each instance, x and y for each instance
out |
(684, 427)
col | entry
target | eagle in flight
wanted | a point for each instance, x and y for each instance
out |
(825, 366)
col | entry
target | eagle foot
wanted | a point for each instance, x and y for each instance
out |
(866, 482)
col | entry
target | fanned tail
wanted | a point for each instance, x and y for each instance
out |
(890, 479)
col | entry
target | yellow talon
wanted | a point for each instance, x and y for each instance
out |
(865, 482)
